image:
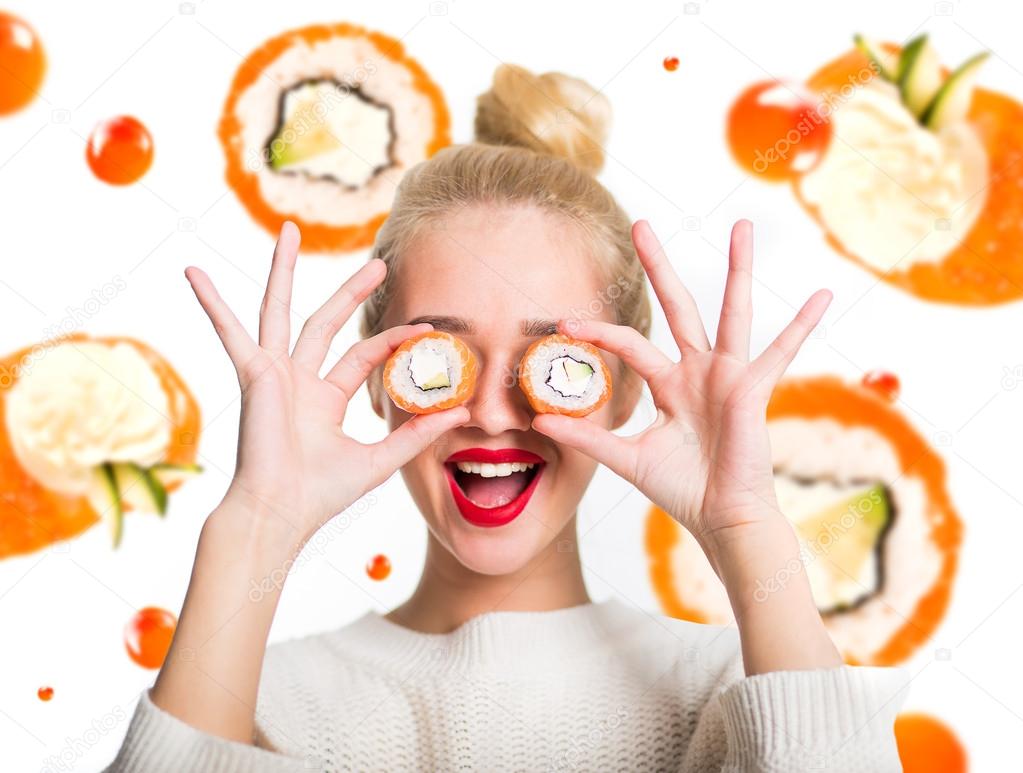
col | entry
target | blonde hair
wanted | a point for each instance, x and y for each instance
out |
(538, 142)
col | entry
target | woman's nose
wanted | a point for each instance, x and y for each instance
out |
(497, 404)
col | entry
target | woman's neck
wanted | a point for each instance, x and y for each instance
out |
(448, 593)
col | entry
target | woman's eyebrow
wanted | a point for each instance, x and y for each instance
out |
(531, 328)
(534, 328)
(448, 324)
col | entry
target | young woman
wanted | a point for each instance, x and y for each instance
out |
(499, 660)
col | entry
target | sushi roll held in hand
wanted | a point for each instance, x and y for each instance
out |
(562, 375)
(430, 372)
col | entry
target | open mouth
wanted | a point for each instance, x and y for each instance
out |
(492, 487)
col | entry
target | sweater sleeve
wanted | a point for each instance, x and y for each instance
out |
(827, 719)
(158, 742)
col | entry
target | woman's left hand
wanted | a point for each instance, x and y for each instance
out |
(705, 459)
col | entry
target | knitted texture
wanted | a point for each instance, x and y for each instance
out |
(593, 687)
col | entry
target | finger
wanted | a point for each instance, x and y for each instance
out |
(319, 330)
(237, 342)
(358, 362)
(737, 307)
(679, 307)
(626, 342)
(409, 440)
(610, 450)
(769, 367)
(275, 313)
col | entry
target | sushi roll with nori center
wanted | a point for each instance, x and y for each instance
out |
(319, 126)
(866, 494)
(559, 374)
(430, 372)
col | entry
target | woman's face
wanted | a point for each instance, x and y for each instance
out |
(499, 278)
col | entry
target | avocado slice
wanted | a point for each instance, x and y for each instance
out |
(437, 382)
(919, 76)
(305, 143)
(105, 499)
(846, 535)
(428, 368)
(952, 102)
(168, 475)
(139, 488)
(887, 62)
(577, 371)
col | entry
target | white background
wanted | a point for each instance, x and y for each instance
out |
(65, 234)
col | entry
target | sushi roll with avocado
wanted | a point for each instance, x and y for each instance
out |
(430, 372)
(320, 125)
(866, 496)
(562, 375)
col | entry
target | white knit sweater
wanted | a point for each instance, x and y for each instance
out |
(593, 687)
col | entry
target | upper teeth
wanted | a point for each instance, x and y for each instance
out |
(488, 470)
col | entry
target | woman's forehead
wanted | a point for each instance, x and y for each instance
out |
(523, 266)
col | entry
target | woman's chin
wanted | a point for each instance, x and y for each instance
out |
(498, 550)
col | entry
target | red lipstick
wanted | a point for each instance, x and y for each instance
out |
(494, 456)
(489, 517)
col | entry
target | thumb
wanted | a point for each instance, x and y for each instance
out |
(593, 440)
(409, 440)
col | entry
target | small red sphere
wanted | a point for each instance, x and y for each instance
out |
(22, 63)
(45, 693)
(378, 567)
(776, 131)
(120, 150)
(884, 383)
(671, 63)
(148, 634)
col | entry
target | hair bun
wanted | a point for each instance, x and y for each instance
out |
(551, 113)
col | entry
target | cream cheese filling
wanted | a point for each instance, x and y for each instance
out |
(892, 192)
(84, 403)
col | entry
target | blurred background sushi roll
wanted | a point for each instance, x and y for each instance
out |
(867, 497)
(320, 125)
(430, 372)
(561, 375)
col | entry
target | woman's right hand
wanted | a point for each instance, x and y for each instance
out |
(295, 464)
(296, 469)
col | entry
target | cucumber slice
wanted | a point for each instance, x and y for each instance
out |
(920, 75)
(139, 488)
(887, 62)
(168, 475)
(952, 102)
(105, 499)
